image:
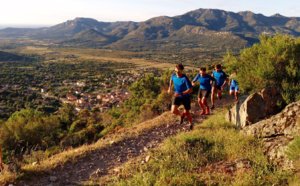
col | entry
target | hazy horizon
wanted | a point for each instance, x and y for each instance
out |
(2, 26)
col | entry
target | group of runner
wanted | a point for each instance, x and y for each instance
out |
(183, 88)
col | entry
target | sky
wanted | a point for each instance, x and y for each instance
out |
(36, 13)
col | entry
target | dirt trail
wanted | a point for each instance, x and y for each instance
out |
(103, 162)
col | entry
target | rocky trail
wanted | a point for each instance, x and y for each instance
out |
(101, 163)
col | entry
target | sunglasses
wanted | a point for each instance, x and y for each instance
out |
(178, 71)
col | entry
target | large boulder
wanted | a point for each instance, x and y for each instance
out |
(286, 123)
(253, 108)
(272, 99)
(233, 115)
(277, 133)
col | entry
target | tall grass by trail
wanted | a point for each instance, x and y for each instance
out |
(179, 159)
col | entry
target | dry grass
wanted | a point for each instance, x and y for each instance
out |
(179, 160)
(35, 50)
(73, 155)
(102, 55)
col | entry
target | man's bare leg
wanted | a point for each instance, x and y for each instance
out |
(201, 105)
(175, 111)
(213, 92)
(204, 102)
(219, 94)
(188, 115)
(236, 96)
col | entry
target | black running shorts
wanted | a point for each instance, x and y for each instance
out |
(219, 87)
(203, 93)
(185, 101)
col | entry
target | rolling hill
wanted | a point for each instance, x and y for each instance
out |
(89, 37)
(6, 56)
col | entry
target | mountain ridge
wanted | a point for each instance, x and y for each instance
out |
(246, 25)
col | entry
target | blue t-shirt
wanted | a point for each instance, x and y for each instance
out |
(220, 77)
(181, 84)
(204, 81)
(233, 82)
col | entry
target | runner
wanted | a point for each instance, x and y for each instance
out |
(222, 79)
(234, 88)
(183, 88)
(205, 88)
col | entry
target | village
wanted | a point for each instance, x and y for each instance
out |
(102, 101)
(111, 92)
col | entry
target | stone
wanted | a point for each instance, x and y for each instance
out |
(276, 133)
(147, 159)
(252, 110)
(34, 163)
(275, 149)
(281, 124)
(53, 179)
(256, 107)
(242, 164)
(116, 170)
(271, 97)
(233, 114)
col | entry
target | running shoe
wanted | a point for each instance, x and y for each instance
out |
(207, 110)
(203, 112)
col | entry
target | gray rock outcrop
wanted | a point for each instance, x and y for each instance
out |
(277, 133)
(253, 108)
(257, 115)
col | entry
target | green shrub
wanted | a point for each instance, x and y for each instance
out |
(272, 62)
(27, 129)
(75, 139)
(76, 126)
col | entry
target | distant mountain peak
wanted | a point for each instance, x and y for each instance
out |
(244, 13)
(202, 26)
(278, 15)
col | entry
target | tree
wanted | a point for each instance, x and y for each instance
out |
(275, 61)
(28, 128)
(67, 115)
(84, 115)
(148, 87)
(165, 77)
